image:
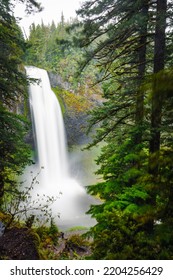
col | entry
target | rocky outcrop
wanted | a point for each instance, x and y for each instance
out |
(19, 244)
(75, 116)
(76, 128)
(56, 80)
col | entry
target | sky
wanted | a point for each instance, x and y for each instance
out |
(52, 11)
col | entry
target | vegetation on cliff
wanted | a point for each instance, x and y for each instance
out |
(51, 47)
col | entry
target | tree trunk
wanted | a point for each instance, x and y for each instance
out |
(157, 100)
(157, 103)
(141, 73)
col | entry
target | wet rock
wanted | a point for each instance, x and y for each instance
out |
(19, 244)
(2, 228)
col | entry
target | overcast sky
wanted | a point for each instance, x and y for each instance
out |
(52, 11)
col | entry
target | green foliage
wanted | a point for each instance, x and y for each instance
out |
(76, 228)
(75, 248)
(133, 122)
(77, 240)
(130, 45)
(48, 240)
(51, 47)
(57, 92)
(118, 236)
(74, 103)
(35, 238)
(15, 153)
(48, 235)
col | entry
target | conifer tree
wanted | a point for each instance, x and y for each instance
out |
(14, 151)
(123, 34)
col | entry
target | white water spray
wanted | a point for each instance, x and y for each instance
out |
(50, 140)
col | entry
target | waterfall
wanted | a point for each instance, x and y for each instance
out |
(49, 129)
(49, 134)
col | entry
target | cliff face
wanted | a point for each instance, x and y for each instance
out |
(75, 110)
(76, 127)
(56, 80)
(75, 106)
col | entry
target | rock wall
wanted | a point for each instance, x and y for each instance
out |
(76, 120)
(56, 80)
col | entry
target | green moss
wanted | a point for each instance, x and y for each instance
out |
(35, 238)
(58, 93)
(77, 240)
(5, 218)
(48, 235)
(75, 103)
(78, 228)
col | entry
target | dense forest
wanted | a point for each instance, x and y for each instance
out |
(121, 50)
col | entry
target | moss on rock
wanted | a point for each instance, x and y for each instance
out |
(19, 244)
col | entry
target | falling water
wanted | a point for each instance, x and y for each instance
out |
(53, 160)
